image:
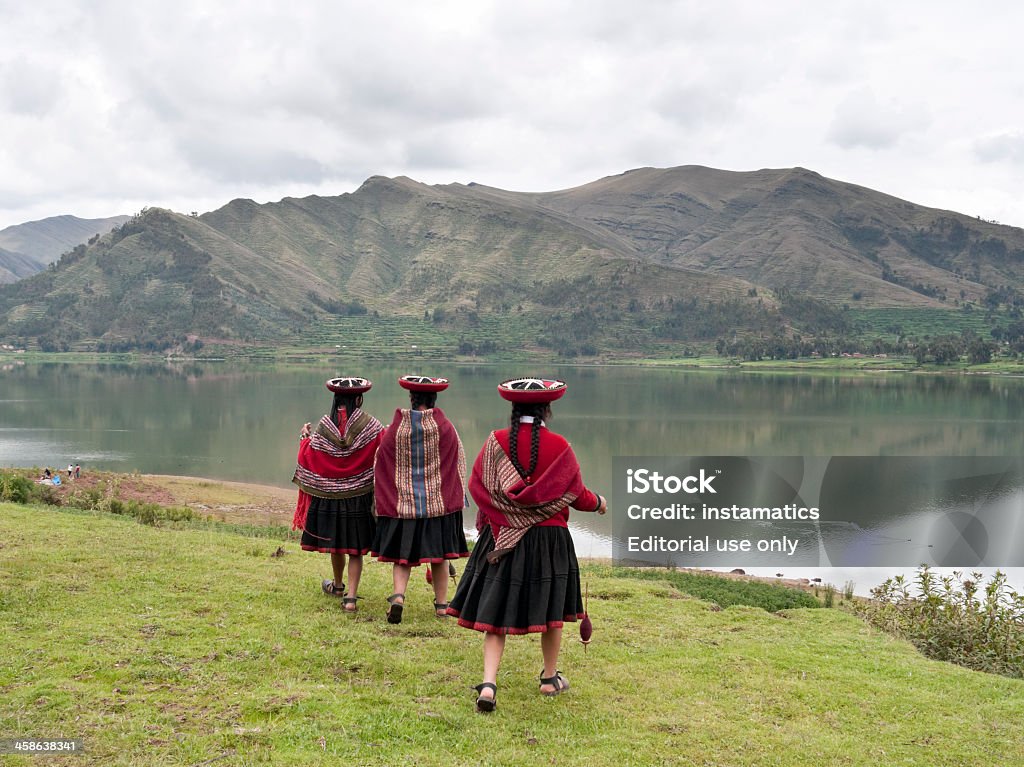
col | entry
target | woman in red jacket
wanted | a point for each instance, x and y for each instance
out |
(334, 473)
(523, 576)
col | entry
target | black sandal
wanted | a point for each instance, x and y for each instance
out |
(441, 609)
(346, 601)
(394, 613)
(331, 590)
(486, 705)
(559, 682)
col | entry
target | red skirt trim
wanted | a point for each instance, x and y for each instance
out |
(410, 563)
(539, 629)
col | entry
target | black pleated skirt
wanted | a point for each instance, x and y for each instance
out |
(339, 525)
(419, 541)
(531, 590)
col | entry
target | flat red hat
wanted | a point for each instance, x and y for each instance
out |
(531, 390)
(423, 383)
(353, 385)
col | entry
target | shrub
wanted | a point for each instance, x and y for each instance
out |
(15, 488)
(89, 499)
(151, 513)
(952, 618)
(830, 594)
(46, 494)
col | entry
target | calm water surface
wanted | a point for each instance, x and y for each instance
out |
(241, 423)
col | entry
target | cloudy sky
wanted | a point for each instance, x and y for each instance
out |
(106, 107)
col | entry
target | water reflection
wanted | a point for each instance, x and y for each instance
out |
(241, 422)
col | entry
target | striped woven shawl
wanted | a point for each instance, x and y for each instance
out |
(420, 468)
(497, 487)
(335, 465)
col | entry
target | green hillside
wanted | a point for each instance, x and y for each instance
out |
(187, 647)
(639, 264)
(795, 229)
(276, 273)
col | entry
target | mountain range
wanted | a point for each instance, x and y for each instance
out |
(27, 248)
(677, 253)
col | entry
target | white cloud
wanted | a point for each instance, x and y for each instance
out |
(187, 105)
(1003, 147)
(862, 121)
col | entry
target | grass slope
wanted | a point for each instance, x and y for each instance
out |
(274, 272)
(794, 228)
(183, 647)
(923, 323)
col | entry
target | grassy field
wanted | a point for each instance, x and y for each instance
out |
(921, 323)
(185, 647)
(273, 357)
(512, 338)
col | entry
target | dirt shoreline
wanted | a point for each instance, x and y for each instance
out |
(221, 500)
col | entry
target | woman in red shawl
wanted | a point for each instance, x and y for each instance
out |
(523, 576)
(335, 479)
(419, 493)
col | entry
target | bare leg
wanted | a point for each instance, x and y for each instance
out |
(338, 566)
(550, 644)
(439, 571)
(494, 648)
(355, 572)
(400, 578)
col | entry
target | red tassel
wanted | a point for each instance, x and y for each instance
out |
(430, 573)
(301, 511)
(586, 627)
(342, 420)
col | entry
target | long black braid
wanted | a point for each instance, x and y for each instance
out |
(343, 400)
(519, 409)
(427, 398)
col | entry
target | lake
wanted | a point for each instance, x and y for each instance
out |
(238, 422)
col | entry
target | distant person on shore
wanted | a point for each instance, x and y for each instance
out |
(71, 470)
(78, 471)
(419, 493)
(523, 576)
(334, 473)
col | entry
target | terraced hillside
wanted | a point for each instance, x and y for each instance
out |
(649, 257)
(795, 229)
